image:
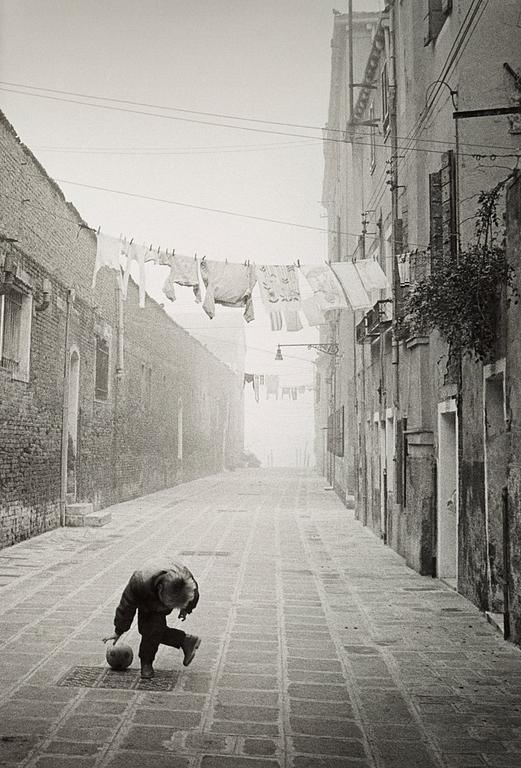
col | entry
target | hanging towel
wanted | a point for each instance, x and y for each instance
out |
(228, 284)
(272, 386)
(279, 290)
(108, 252)
(293, 393)
(137, 253)
(312, 311)
(325, 286)
(292, 318)
(183, 271)
(256, 387)
(286, 391)
(276, 320)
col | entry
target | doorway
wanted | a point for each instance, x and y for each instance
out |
(72, 422)
(447, 493)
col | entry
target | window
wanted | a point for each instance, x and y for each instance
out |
(101, 391)
(15, 332)
(437, 12)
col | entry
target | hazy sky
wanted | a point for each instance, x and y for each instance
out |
(266, 60)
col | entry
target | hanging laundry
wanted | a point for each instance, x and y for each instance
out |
(163, 258)
(276, 320)
(137, 253)
(248, 378)
(279, 289)
(108, 252)
(228, 284)
(293, 393)
(256, 387)
(313, 311)
(292, 318)
(371, 274)
(302, 389)
(183, 271)
(286, 391)
(359, 279)
(325, 286)
(272, 386)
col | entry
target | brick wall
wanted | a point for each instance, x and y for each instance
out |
(127, 445)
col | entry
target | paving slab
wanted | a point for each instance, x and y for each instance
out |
(321, 649)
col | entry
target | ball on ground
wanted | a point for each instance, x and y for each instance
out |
(119, 656)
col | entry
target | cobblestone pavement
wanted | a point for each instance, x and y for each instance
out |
(320, 647)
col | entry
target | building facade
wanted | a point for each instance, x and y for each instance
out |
(100, 400)
(426, 430)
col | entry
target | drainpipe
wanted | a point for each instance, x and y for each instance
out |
(121, 333)
(65, 410)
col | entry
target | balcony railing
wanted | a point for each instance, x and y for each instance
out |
(375, 321)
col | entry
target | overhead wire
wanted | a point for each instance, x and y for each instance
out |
(116, 100)
(223, 125)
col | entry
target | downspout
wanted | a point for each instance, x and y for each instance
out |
(65, 410)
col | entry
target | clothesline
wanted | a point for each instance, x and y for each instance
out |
(272, 385)
(336, 285)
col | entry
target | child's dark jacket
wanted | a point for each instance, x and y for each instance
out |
(141, 593)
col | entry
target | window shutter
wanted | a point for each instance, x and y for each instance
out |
(436, 233)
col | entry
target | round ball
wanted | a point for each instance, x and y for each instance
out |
(119, 656)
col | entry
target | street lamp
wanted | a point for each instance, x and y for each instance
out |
(327, 349)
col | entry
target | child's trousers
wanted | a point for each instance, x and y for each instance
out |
(154, 630)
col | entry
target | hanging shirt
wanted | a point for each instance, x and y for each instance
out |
(183, 271)
(325, 286)
(108, 252)
(228, 284)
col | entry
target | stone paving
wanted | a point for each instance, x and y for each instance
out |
(320, 647)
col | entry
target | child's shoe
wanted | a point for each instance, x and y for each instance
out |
(147, 670)
(190, 644)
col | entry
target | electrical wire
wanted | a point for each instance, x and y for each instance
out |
(224, 125)
(115, 100)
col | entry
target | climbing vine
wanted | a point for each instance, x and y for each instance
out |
(460, 297)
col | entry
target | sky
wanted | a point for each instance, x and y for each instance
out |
(266, 61)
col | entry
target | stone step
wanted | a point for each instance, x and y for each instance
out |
(75, 513)
(97, 519)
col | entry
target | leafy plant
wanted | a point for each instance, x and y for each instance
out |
(460, 298)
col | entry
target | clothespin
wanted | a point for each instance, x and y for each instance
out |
(98, 230)
(131, 241)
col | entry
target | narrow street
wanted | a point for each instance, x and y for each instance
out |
(320, 647)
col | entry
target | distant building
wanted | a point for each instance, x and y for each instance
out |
(420, 453)
(100, 401)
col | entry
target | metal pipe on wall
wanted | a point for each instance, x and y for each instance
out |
(65, 410)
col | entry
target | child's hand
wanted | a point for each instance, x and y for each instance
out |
(114, 637)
